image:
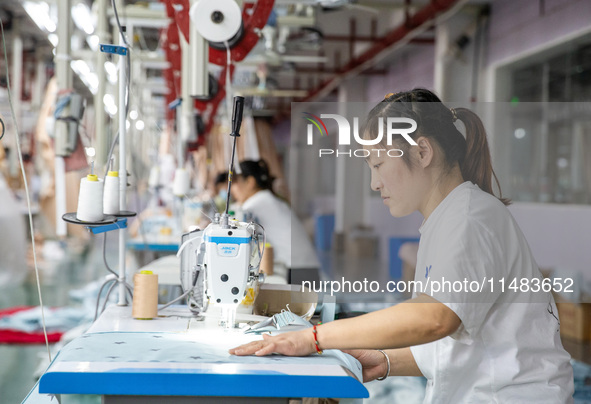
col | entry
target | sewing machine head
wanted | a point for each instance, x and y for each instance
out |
(225, 265)
(227, 249)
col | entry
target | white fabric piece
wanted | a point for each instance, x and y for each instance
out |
(283, 229)
(58, 319)
(508, 348)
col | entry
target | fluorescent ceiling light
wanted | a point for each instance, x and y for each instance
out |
(39, 13)
(89, 78)
(82, 18)
(53, 38)
(93, 42)
(110, 106)
(111, 70)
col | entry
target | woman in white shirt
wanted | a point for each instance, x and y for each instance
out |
(252, 188)
(472, 341)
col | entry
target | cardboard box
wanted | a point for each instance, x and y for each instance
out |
(272, 299)
(575, 320)
(338, 242)
(362, 246)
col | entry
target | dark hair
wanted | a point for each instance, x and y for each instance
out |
(435, 121)
(221, 178)
(259, 170)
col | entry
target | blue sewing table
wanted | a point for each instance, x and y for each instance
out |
(180, 360)
(165, 246)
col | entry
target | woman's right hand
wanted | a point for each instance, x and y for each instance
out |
(373, 362)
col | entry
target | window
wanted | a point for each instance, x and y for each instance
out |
(549, 128)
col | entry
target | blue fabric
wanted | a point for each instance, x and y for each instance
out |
(582, 373)
(56, 319)
(409, 390)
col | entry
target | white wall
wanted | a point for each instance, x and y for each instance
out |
(409, 68)
(518, 27)
(559, 235)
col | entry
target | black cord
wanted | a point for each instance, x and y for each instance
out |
(3, 128)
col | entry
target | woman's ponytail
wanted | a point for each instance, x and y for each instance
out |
(476, 166)
(259, 170)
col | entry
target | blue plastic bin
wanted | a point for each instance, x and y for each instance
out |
(324, 231)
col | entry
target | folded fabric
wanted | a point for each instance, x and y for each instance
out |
(22, 325)
(280, 322)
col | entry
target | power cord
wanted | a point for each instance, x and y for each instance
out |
(118, 22)
(22, 165)
(175, 300)
(98, 298)
(127, 285)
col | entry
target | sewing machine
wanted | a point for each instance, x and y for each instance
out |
(221, 263)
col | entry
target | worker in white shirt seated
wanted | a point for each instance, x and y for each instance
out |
(252, 188)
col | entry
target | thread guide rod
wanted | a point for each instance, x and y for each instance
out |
(237, 111)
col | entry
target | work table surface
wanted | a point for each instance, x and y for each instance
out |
(177, 355)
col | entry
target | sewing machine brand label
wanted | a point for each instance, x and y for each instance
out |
(228, 250)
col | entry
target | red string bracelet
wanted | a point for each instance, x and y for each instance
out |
(315, 332)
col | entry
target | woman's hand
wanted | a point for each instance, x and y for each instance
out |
(373, 362)
(299, 343)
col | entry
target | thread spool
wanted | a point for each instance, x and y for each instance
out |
(145, 296)
(216, 20)
(90, 199)
(267, 260)
(154, 179)
(111, 194)
(180, 185)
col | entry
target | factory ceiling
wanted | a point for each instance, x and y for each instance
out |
(302, 53)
